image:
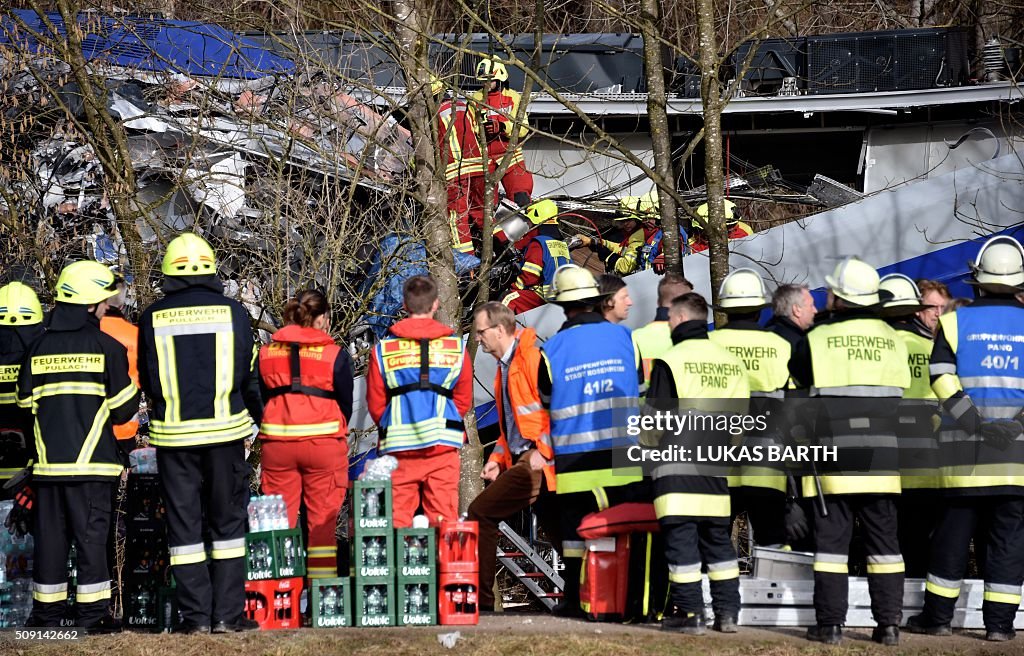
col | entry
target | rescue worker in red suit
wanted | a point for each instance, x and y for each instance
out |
(463, 159)
(737, 228)
(544, 253)
(499, 109)
(419, 386)
(307, 385)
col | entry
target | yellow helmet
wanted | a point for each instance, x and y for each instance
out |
(574, 283)
(436, 85)
(19, 305)
(542, 211)
(742, 290)
(648, 203)
(85, 283)
(999, 264)
(702, 212)
(188, 254)
(903, 292)
(854, 281)
(491, 69)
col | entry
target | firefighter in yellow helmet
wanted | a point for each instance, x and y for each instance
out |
(499, 112)
(856, 367)
(636, 222)
(21, 323)
(976, 376)
(197, 360)
(543, 253)
(74, 379)
(736, 227)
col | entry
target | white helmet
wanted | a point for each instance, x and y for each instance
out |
(574, 283)
(742, 290)
(999, 265)
(855, 281)
(905, 297)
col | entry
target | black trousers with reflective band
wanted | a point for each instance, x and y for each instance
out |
(696, 545)
(206, 488)
(919, 513)
(66, 512)
(1001, 520)
(885, 569)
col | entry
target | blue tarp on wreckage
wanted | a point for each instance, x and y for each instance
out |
(190, 48)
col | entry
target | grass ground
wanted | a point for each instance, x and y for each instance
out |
(510, 633)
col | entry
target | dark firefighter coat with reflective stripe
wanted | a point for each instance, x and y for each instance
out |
(197, 362)
(16, 446)
(75, 380)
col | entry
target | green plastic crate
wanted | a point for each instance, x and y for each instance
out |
(168, 617)
(381, 615)
(364, 519)
(374, 557)
(416, 555)
(423, 613)
(274, 555)
(141, 604)
(337, 611)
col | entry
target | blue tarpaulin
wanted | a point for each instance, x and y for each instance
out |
(191, 48)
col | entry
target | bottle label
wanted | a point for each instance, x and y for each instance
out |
(260, 575)
(331, 621)
(142, 621)
(374, 571)
(373, 522)
(287, 571)
(375, 620)
(423, 570)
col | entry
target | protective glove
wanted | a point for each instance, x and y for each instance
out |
(795, 521)
(20, 521)
(584, 240)
(1001, 434)
(492, 128)
(659, 264)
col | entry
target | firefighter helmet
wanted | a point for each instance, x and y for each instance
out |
(905, 297)
(999, 265)
(19, 305)
(574, 284)
(491, 69)
(85, 283)
(855, 281)
(742, 290)
(188, 254)
(542, 211)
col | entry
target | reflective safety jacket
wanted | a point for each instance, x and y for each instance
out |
(696, 373)
(652, 249)
(977, 373)
(527, 411)
(592, 367)
(765, 356)
(502, 105)
(75, 381)
(16, 440)
(114, 324)
(621, 258)
(419, 385)
(545, 252)
(299, 370)
(858, 368)
(919, 414)
(652, 340)
(197, 361)
(458, 136)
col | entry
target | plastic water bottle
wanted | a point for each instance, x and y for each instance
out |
(414, 603)
(329, 603)
(254, 516)
(280, 513)
(371, 504)
(263, 510)
(374, 602)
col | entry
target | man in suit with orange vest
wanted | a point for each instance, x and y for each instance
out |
(419, 386)
(524, 438)
(117, 326)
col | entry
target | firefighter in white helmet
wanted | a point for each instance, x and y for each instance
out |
(977, 376)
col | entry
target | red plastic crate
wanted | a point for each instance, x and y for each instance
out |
(457, 547)
(457, 599)
(274, 604)
(605, 581)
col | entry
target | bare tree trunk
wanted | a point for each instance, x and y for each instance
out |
(661, 133)
(716, 230)
(412, 26)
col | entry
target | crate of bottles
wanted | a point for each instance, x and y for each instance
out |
(145, 512)
(416, 550)
(372, 506)
(15, 602)
(331, 602)
(274, 555)
(141, 604)
(374, 603)
(417, 603)
(143, 558)
(374, 556)
(274, 604)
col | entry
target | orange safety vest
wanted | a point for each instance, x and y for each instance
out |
(529, 414)
(127, 333)
(457, 134)
(502, 105)
(297, 368)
